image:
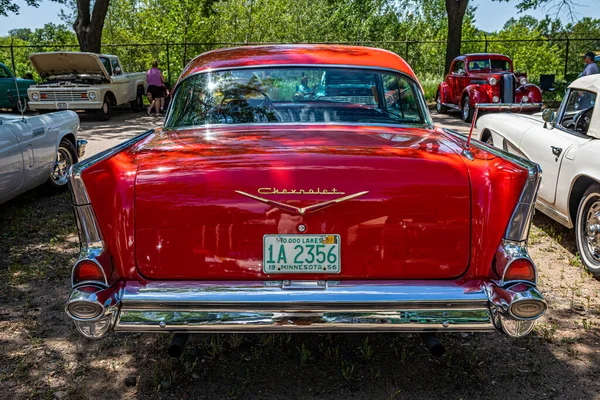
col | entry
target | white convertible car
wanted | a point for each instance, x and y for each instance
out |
(566, 144)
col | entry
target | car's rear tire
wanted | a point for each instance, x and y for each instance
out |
(137, 105)
(103, 114)
(466, 110)
(439, 107)
(66, 156)
(587, 229)
(490, 140)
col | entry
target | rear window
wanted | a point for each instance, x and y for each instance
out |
(297, 94)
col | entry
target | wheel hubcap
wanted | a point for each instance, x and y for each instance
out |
(592, 231)
(105, 108)
(438, 104)
(466, 110)
(61, 167)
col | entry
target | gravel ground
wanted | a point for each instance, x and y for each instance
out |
(42, 356)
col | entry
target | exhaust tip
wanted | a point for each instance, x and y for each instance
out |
(177, 345)
(433, 344)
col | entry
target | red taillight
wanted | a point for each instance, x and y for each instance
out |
(88, 271)
(520, 269)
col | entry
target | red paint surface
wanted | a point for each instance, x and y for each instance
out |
(299, 54)
(423, 217)
(167, 206)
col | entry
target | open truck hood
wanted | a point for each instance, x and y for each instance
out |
(63, 63)
(193, 222)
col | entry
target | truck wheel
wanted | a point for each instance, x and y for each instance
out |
(467, 110)
(439, 107)
(137, 105)
(103, 114)
(66, 156)
(587, 229)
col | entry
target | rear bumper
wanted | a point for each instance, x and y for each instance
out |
(351, 306)
(514, 107)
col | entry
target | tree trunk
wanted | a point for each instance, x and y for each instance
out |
(456, 12)
(89, 24)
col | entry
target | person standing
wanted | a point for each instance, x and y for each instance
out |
(591, 68)
(156, 91)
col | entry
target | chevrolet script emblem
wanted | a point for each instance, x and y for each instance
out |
(301, 210)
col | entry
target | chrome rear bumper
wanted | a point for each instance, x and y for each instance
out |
(350, 306)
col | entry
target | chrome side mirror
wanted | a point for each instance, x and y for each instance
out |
(548, 115)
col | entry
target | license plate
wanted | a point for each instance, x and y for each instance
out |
(301, 254)
(62, 106)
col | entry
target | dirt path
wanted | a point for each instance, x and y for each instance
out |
(41, 355)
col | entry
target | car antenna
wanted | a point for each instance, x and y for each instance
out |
(20, 107)
(472, 126)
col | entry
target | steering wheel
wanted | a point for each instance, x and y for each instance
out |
(582, 118)
(232, 100)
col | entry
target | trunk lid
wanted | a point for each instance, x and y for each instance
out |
(192, 222)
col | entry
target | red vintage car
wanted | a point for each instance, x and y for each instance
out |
(486, 81)
(303, 188)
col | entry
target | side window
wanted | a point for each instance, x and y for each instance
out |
(578, 111)
(400, 98)
(459, 67)
(4, 72)
(115, 65)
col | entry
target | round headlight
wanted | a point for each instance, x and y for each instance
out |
(524, 99)
(35, 96)
(523, 80)
(495, 99)
(92, 95)
(492, 81)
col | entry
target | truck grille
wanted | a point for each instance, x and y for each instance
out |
(63, 95)
(507, 88)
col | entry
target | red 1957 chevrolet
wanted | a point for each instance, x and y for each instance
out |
(303, 188)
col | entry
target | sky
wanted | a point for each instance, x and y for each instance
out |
(490, 15)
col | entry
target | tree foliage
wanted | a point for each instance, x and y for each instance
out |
(175, 31)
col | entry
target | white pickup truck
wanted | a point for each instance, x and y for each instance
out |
(84, 81)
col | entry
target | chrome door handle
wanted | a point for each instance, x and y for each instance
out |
(556, 150)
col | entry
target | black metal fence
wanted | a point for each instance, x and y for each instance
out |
(561, 57)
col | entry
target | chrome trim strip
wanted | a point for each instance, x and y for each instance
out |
(509, 106)
(79, 194)
(552, 213)
(90, 236)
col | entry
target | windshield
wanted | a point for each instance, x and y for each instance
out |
(297, 94)
(489, 65)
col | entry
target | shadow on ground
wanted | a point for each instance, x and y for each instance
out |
(41, 355)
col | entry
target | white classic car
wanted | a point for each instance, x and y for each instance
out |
(37, 150)
(84, 81)
(566, 144)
